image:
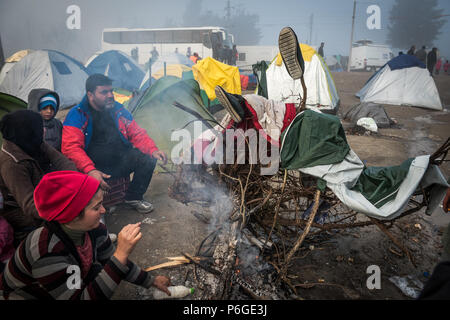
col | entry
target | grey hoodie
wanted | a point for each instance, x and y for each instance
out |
(52, 127)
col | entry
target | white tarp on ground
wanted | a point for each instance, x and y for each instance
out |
(341, 177)
(321, 90)
(408, 86)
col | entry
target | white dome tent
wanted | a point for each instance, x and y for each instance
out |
(321, 90)
(404, 80)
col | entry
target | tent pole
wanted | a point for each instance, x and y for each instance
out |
(2, 57)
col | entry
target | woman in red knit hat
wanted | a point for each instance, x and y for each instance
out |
(72, 256)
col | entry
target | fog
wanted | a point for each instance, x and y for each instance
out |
(41, 24)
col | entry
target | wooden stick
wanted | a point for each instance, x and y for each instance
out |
(394, 240)
(303, 236)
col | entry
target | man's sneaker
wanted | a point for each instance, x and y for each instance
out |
(141, 206)
(231, 103)
(291, 53)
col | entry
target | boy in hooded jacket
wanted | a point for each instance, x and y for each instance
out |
(46, 103)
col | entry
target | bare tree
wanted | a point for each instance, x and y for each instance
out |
(414, 22)
(243, 25)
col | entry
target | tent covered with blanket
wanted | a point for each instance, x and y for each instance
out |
(175, 65)
(404, 80)
(47, 69)
(9, 103)
(156, 113)
(121, 68)
(315, 144)
(321, 92)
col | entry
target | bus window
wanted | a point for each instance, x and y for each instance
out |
(145, 37)
(197, 36)
(182, 36)
(207, 40)
(111, 37)
(129, 37)
(165, 36)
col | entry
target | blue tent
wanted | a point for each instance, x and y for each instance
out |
(118, 66)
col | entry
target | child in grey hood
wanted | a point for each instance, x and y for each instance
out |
(46, 103)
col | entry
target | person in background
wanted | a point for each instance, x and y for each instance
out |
(194, 58)
(24, 159)
(101, 137)
(188, 52)
(73, 238)
(438, 66)
(321, 49)
(446, 65)
(46, 103)
(412, 50)
(431, 60)
(422, 55)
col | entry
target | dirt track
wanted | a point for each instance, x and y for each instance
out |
(338, 266)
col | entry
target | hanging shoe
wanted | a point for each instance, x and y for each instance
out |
(291, 53)
(231, 103)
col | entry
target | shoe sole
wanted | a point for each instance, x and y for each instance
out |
(221, 96)
(288, 45)
(139, 210)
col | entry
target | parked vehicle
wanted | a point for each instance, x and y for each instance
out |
(367, 56)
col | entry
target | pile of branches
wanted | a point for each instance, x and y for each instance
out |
(286, 207)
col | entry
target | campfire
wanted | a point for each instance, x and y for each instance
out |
(258, 224)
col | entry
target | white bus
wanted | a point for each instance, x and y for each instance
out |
(213, 42)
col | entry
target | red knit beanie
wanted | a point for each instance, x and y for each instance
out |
(62, 195)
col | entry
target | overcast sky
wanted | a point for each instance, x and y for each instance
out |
(41, 24)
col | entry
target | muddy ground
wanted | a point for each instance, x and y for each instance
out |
(338, 265)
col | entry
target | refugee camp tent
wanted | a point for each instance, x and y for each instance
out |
(211, 73)
(9, 62)
(321, 90)
(156, 113)
(175, 64)
(9, 103)
(404, 80)
(118, 66)
(47, 69)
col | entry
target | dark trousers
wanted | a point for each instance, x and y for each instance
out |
(133, 160)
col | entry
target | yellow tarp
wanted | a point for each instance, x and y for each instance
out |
(210, 73)
(121, 98)
(307, 53)
(171, 70)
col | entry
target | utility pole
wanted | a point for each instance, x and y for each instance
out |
(228, 10)
(351, 37)
(311, 21)
(2, 57)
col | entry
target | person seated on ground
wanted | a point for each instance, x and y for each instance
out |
(104, 141)
(24, 159)
(46, 102)
(73, 242)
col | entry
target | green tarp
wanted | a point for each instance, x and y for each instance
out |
(380, 184)
(259, 70)
(156, 113)
(313, 139)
